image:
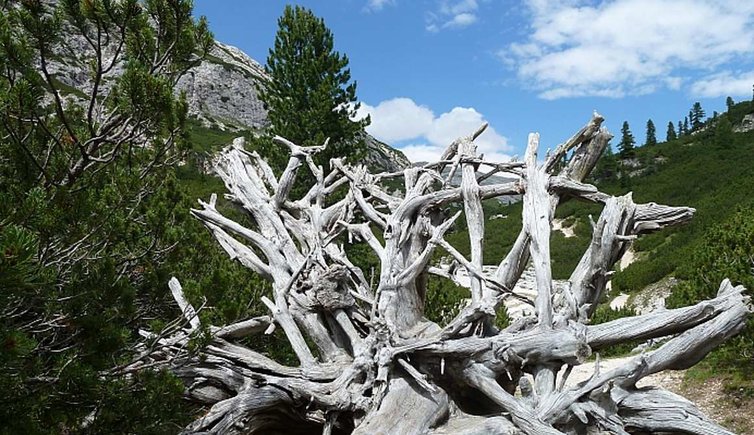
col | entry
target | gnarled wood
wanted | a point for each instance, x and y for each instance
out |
(370, 362)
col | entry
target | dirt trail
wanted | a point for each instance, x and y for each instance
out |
(557, 225)
(670, 380)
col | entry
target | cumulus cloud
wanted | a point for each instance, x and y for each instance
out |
(401, 120)
(452, 15)
(397, 119)
(627, 47)
(421, 152)
(724, 84)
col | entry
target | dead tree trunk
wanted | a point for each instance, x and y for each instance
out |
(371, 363)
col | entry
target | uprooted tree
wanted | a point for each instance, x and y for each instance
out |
(370, 362)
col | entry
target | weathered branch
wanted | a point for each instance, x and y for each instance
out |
(666, 322)
(370, 360)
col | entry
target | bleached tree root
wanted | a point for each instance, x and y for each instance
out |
(371, 363)
(656, 410)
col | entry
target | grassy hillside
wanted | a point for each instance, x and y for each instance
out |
(697, 171)
(693, 170)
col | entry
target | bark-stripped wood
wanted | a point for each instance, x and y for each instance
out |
(370, 362)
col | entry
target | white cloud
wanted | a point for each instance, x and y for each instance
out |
(452, 15)
(377, 5)
(461, 20)
(627, 47)
(397, 119)
(421, 152)
(724, 84)
(401, 120)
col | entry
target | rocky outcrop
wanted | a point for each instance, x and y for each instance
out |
(747, 124)
(383, 157)
(221, 91)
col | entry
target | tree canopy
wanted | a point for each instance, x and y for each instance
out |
(671, 134)
(310, 96)
(627, 141)
(696, 116)
(651, 134)
(724, 134)
(90, 208)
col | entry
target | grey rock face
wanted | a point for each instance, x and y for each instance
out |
(747, 124)
(383, 157)
(221, 90)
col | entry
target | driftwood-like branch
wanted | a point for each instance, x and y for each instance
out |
(371, 362)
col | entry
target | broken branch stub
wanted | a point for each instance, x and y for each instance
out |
(370, 360)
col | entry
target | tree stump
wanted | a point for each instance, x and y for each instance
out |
(371, 363)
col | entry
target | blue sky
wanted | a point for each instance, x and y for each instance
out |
(431, 70)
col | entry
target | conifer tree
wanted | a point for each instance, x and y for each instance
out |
(729, 103)
(651, 133)
(671, 135)
(310, 95)
(686, 126)
(89, 208)
(680, 128)
(627, 142)
(696, 116)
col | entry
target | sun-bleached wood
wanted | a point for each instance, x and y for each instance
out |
(372, 363)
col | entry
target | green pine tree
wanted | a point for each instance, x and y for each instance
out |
(627, 142)
(725, 252)
(651, 133)
(92, 220)
(696, 116)
(310, 96)
(671, 135)
(729, 103)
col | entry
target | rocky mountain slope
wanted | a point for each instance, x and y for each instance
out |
(383, 157)
(221, 92)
